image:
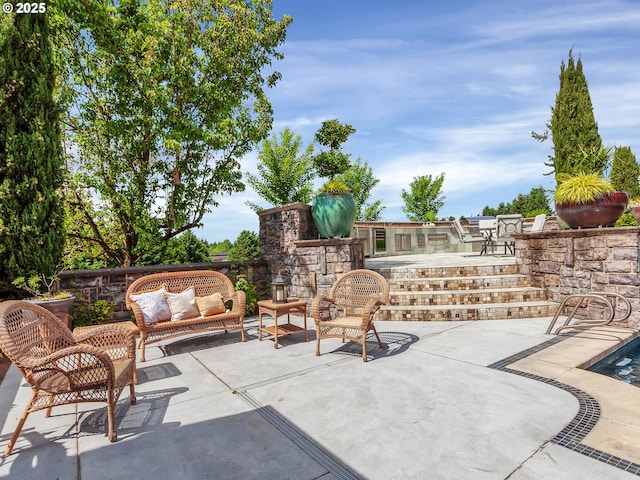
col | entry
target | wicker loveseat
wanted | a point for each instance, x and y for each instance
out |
(205, 283)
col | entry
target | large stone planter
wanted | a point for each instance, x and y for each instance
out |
(61, 308)
(602, 212)
(334, 214)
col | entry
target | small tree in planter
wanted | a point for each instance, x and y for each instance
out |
(334, 209)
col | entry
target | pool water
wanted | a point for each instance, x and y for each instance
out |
(623, 364)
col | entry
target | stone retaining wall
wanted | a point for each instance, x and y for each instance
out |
(318, 263)
(110, 284)
(584, 260)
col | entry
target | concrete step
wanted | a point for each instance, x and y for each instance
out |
(467, 297)
(488, 311)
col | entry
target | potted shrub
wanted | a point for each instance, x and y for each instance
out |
(634, 208)
(333, 209)
(586, 200)
(45, 291)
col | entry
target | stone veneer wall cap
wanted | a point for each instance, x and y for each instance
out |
(291, 206)
(320, 242)
(578, 232)
(142, 269)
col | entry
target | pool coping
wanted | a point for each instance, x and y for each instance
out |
(603, 429)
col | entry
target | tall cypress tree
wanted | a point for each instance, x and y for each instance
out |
(625, 172)
(577, 145)
(32, 232)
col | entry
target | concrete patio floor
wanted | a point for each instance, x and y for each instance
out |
(435, 403)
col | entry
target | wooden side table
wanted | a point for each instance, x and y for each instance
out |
(269, 307)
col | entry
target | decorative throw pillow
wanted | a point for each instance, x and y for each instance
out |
(182, 305)
(153, 305)
(210, 305)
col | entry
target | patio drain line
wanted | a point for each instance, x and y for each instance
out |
(301, 440)
(588, 414)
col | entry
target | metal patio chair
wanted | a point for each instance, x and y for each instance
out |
(466, 237)
(487, 229)
(538, 223)
(506, 226)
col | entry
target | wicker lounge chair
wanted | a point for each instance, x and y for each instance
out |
(63, 368)
(347, 312)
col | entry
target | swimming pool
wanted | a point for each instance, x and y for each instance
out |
(623, 364)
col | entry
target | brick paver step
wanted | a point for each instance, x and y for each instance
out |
(489, 311)
(465, 297)
(457, 271)
(470, 292)
(417, 284)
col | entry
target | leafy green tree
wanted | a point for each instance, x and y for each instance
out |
(32, 234)
(194, 249)
(625, 172)
(528, 205)
(501, 209)
(83, 254)
(223, 246)
(577, 145)
(532, 204)
(424, 199)
(185, 248)
(286, 174)
(162, 102)
(360, 180)
(246, 247)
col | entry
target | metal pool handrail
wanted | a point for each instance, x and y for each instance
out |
(582, 301)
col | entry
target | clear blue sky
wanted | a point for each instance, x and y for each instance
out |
(446, 86)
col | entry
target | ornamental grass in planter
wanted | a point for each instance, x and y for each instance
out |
(587, 200)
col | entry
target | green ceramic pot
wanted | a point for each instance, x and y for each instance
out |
(334, 214)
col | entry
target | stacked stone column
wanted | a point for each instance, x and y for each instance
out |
(289, 243)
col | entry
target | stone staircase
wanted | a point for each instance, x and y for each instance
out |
(478, 292)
